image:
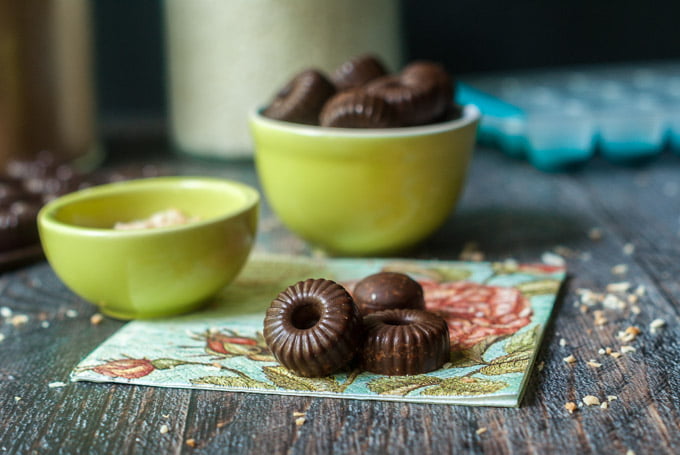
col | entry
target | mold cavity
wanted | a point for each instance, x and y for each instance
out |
(306, 315)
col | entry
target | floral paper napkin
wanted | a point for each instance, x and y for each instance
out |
(496, 312)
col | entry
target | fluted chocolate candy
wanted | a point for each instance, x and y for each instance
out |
(430, 77)
(388, 291)
(404, 342)
(313, 328)
(357, 109)
(301, 100)
(361, 94)
(357, 72)
(413, 105)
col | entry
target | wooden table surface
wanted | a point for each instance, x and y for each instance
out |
(510, 210)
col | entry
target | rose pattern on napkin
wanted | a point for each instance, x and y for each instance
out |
(475, 312)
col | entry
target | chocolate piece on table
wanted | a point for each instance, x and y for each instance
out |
(388, 291)
(313, 327)
(18, 227)
(404, 342)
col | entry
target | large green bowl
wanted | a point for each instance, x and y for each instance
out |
(359, 191)
(147, 273)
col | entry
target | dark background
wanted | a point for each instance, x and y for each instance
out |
(468, 36)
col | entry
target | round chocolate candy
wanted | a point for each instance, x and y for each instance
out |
(357, 72)
(401, 342)
(388, 291)
(313, 327)
(430, 77)
(412, 104)
(17, 224)
(301, 100)
(357, 109)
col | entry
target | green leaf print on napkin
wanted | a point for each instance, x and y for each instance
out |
(539, 287)
(232, 381)
(465, 386)
(286, 379)
(519, 348)
(400, 385)
(511, 363)
(473, 355)
(523, 341)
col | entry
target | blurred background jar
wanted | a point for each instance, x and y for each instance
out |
(226, 57)
(46, 80)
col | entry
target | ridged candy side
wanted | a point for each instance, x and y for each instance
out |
(325, 347)
(404, 342)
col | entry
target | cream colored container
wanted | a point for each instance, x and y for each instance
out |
(227, 56)
(46, 79)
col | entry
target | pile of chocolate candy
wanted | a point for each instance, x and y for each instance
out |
(28, 184)
(317, 327)
(362, 94)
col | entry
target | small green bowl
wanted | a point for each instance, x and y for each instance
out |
(155, 272)
(359, 191)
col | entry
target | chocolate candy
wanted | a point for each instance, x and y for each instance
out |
(301, 100)
(388, 291)
(18, 212)
(357, 72)
(414, 105)
(400, 342)
(313, 327)
(363, 95)
(357, 109)
(18, 227)
(430, 77)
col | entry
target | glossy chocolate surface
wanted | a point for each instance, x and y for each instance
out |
(313, 328)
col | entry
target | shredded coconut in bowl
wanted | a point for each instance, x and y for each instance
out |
(165, 218)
